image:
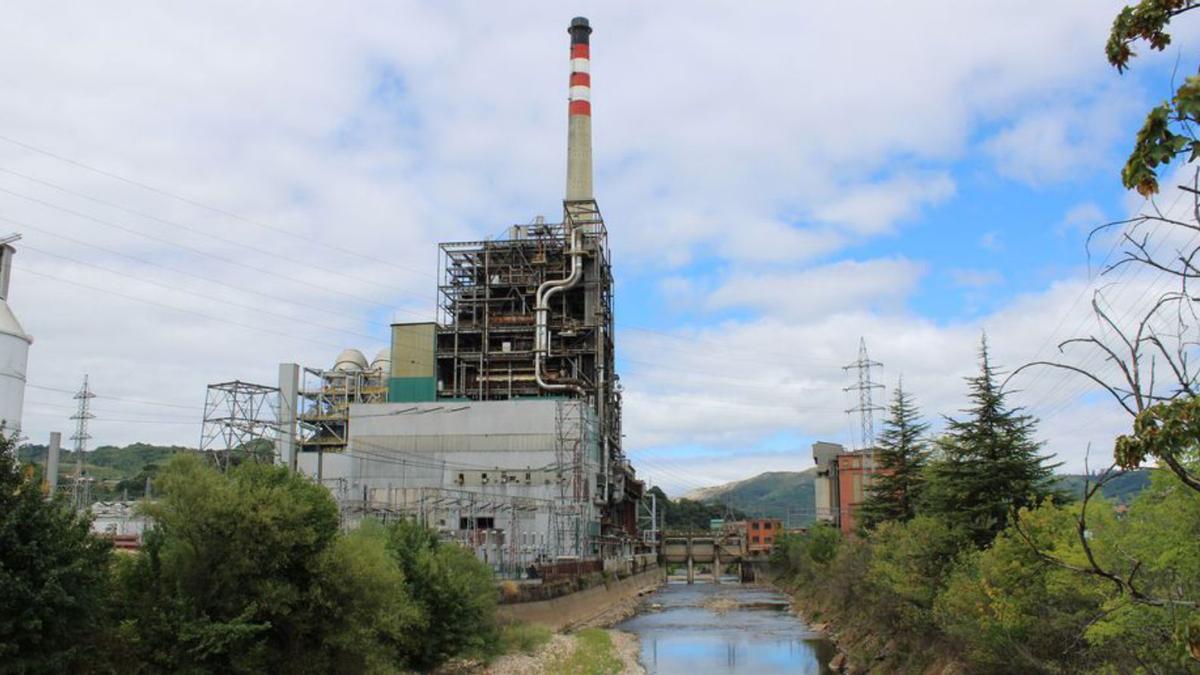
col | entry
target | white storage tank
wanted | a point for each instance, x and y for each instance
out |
(14, 348)
(383, 362)
(350, 361)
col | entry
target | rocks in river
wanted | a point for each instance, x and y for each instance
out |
(838, 663)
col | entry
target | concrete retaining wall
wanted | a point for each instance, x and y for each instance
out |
(569, 610)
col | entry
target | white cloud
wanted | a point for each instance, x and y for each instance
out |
(976, 278)
(818, 291)
(1082, 218)
(874, 208)
(737, 388)
(790, 133)
(991, 241)
(1059, 142)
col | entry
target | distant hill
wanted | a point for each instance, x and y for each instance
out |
(118, 470)
(774, 494)
(790, 494)
(1120, 490)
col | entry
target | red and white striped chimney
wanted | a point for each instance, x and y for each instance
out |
(579, 122)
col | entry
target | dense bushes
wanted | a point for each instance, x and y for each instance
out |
(992, 571)
(53, 577)
(244, 572)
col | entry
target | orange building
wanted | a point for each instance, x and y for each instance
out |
(760, 535)
(841, 485)
(854, 472)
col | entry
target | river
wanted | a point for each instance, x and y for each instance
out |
(727, 628)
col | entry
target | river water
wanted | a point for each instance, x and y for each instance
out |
(727, 628)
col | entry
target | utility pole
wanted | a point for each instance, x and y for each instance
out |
(866, 408)
(79, 494)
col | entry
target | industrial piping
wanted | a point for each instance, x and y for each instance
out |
(579, 188)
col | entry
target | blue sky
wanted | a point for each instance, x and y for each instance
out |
(779, 180)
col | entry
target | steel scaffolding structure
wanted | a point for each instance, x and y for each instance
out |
(325, 398)
(486, 340)
(241, 421)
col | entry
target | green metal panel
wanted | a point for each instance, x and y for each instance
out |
(412, 350)
(412, 389)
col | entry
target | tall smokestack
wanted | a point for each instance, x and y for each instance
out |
(579, 122)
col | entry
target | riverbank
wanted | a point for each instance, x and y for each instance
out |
(590, 651)
(861, 649)
(571, 633)
(601, 605)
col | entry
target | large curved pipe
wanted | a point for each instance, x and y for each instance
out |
(541, 340)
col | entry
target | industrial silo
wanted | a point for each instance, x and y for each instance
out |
(14, 347)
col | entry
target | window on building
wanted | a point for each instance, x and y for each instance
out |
(754, 525)
(754, 539)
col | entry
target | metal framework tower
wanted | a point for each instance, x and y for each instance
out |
(241, 421)
(81, 487)
(866, 407)
(572, 488)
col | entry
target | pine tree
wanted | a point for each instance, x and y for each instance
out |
(989, 464)
(900, 458)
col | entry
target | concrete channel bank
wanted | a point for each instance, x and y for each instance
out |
(586, 606)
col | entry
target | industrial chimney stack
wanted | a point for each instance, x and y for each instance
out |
(579, 123)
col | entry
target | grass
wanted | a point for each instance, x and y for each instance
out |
(593, 655)
(523, 637)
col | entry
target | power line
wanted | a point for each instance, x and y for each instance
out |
(175, 270)
(229, 214)
(178, 309)
(198, 231)
(214, 256)
(117, 398)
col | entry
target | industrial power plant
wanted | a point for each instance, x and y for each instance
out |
(499, 424)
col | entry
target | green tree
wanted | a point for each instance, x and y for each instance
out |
(909, 564)
(989, 464)
(455, 591)
(900, 458)
(247, 572)
(1153, 618)
(1168, 129)
(1010, 610)
(53, 576)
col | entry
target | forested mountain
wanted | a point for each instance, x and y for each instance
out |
(119, 471)
(790, 494)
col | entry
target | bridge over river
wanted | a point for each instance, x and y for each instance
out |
(708, 548)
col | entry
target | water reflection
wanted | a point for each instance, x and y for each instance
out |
(729, 628)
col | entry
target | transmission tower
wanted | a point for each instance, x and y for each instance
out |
(81, 489)
(241, 420)
(866, 408)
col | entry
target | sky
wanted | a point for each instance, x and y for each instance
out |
(207, 191)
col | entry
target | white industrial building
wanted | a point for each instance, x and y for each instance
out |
(14, 348)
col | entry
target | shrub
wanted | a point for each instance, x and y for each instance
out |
(53, 576)
(525, 638)
(455, 591)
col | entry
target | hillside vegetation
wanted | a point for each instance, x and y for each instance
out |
(119, 471)
(776, 494)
